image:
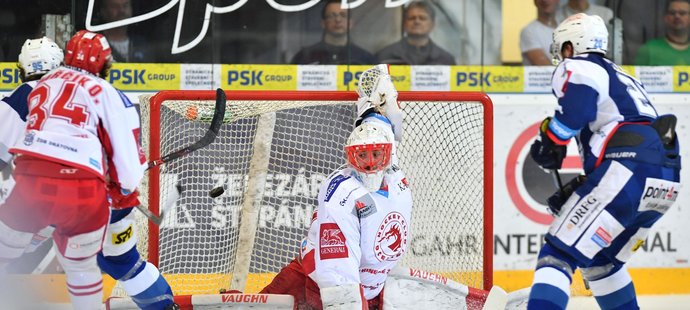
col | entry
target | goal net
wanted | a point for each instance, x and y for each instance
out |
(270, 156)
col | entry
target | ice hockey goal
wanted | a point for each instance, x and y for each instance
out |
(270, 156)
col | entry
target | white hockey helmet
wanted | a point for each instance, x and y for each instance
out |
(587, 33)
(38, 56)
(369, 150)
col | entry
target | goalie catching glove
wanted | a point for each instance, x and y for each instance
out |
(545, 152)
(377, 94)
(122, 198)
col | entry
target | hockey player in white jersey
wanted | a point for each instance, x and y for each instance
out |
(119, 257)
(631, 163)
(361, 227)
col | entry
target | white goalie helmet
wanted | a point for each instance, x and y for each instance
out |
(376, 90)
(38, 56)
(369, 150)
(587, 33)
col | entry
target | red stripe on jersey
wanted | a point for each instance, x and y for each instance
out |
(565, 83)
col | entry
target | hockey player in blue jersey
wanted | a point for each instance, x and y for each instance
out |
(119, 257)
(631, 163)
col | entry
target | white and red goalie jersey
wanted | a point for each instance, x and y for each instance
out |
(80, 120)
(357, 237)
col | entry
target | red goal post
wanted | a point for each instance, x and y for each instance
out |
(270, 155)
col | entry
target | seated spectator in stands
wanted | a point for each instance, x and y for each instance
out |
(536, 37)
(416, 47)
(126, 46)
(334, 48)
(573, 7)
(673, 49)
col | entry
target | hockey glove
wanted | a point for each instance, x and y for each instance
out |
(376, 91)
(544, 151)
(558, 199)
(122, 198)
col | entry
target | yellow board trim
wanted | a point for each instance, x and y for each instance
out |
(648, 281)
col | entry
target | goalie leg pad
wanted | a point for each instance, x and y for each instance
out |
(343, 297)
(613, 289)
(408, 288)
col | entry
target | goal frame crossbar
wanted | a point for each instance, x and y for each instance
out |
(157, 100)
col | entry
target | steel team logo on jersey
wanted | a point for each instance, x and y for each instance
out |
(332, 242)
(391, 237)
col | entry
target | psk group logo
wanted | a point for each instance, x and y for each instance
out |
(528, 185)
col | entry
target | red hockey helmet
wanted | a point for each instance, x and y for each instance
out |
(89, 51)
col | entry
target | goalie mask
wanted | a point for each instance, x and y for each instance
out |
(89, 51)
(587, 33)
(38, 56)
(368, 151)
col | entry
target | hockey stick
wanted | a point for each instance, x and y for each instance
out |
(208, 138)
(557, 178)
(169, 202)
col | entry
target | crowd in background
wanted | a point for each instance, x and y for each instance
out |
(423, 32)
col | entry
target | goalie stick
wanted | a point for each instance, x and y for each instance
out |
(208, 138)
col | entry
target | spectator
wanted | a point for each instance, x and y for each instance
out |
(673, 49)
(536, 37)
(583, 6)
(334, 48)
(126, 46)
(416, 48)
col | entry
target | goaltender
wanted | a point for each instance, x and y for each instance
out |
(360, 228)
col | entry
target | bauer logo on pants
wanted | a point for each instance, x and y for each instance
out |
(332, 242)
